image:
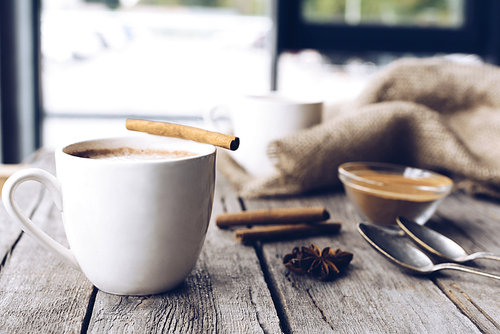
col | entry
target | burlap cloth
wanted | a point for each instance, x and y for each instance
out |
(428, 113)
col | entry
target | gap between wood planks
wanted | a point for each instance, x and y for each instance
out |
(284, 323)
(467, 311)
(89, 312)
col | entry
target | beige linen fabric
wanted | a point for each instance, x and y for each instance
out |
(428, 113)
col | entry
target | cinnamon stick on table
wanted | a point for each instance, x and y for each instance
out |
(185, 132)
(264, 233)
(273, 217)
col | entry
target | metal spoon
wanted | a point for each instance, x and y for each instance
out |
(440, 245)
(406, 255)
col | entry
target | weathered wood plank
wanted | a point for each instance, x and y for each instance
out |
(472, 223)
(373, 296)
(38, 293)
(225, 293)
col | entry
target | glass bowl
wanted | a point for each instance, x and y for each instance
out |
(383, 191)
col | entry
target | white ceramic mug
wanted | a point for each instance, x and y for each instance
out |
(260, 119)
(134, 227)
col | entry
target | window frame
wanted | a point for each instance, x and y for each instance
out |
(20, 93)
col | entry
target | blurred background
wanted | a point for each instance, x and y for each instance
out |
(97, 62)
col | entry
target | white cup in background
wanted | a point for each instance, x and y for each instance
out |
(134, 227)
(262, 118)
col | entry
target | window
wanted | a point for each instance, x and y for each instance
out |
(382, 30)
(154, 59)
(474, 31)
(105, 60)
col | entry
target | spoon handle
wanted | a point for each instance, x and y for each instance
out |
(459, 267)
(483, 255)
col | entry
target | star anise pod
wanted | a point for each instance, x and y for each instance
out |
(292, 261)
(324, 264)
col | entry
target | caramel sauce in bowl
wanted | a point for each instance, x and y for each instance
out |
(383, 191)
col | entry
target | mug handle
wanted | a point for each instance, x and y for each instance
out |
(210, 117)
(13, 209)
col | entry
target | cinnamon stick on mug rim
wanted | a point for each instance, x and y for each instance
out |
(185, 132)
(280, 216)
(266, 233)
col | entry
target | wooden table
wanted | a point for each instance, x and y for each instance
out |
(237, 288)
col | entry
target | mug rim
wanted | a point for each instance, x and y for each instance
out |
(209, 149)
(286, 98)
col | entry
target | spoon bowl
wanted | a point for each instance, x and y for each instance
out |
(406, 255)
(439, 244)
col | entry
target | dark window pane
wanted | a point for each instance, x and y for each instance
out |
(413, 13)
